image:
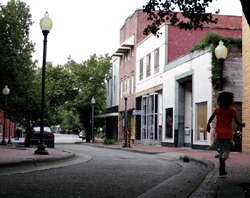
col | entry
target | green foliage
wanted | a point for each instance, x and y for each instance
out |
(70, 121)
(193, 13)
(213, 147)
(59, 86)
(89, 81)
(17, 67)
(108, 141)
(212, 39)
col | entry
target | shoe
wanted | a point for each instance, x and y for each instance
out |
(222, 168)
(223, 174)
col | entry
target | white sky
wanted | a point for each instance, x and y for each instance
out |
(84, 27)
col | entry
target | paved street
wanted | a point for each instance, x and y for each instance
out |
(106, 173)
(66, 138)
(197, 179)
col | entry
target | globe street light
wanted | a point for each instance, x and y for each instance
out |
(221, 54)
(45, 25)
(6, 92)
(125, 95)
(93, 104)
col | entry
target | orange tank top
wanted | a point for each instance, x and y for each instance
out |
(224, 127)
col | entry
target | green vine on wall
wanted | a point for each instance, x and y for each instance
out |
(212, 39)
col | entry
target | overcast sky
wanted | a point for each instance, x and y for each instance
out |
(84, 27)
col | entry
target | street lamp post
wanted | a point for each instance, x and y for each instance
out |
(46, 25)
(6, 92)
(125, 95)
(9, 141)
(221, 54)
(93, 104)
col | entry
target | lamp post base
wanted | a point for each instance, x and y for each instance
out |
(9, 142)
(3, 142)
(41, 150)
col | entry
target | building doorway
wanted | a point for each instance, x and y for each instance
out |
(183, 133)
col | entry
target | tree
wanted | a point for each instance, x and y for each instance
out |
(17, 67)
(70, 121)
(90, 77)
(193, 14)
(59, 86)
(58, 91)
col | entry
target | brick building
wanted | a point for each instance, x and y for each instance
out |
(10, 127)
(245, 85)
(177, 43)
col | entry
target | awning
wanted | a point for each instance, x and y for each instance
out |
(122, 49)
(125, 46)
(136, 112)
(107, 115)
(117, 54)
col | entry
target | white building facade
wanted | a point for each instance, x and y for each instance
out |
(187, 100)
(175, 98)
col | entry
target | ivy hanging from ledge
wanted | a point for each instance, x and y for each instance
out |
(212, 39)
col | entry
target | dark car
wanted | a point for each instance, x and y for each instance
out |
(82, 134)
(33, 137)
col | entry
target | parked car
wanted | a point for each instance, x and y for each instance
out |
(33, 137)
(82, 134)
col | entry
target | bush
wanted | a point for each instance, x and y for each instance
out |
(108, 140)
(213, 147)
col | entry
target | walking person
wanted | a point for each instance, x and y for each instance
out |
(224, 113)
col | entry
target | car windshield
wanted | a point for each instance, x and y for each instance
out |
(45, 129)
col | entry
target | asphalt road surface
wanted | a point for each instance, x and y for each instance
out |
(66, 138)
(95, 172)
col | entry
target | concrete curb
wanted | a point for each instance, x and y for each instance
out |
(208, 164)
(35, 161)
(121, 148)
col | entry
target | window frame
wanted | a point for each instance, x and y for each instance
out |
(156, 60)
(148, 64)
(141, 69)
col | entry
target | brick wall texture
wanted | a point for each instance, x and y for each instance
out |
(245, 85)
(7, 126)
(233, 69)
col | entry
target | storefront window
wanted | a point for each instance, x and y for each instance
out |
(151, 104)
(143, 124)
(201, 121)
(169, 123)
(144, 105)
(238, 108)
(149, 117)
(150, 127)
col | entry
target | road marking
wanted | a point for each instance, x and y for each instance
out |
(61, 137)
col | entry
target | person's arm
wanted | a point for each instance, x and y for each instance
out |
(237, 121)
(210, 120)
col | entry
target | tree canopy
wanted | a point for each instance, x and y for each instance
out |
(17, 67)
(192, 14)
(89, 81)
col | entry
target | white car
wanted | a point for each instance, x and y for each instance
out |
(82, 134)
